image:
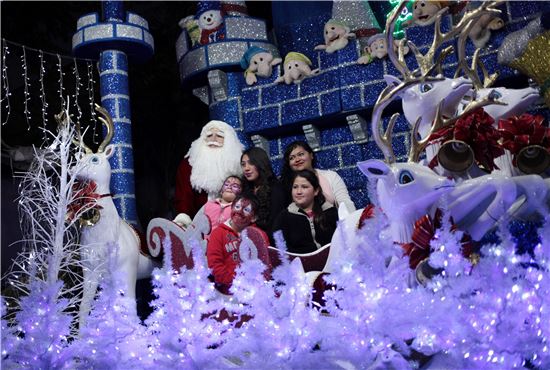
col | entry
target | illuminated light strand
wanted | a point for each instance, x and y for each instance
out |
(91, 99)
(61, 88)
(77, 92)
(43, 94)
(5, 83)
(26, 89)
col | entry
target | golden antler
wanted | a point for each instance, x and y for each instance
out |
(105, 119)
(63, 119)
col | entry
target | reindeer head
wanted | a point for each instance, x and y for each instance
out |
(93, 166)
(421, 100)
(405, 189)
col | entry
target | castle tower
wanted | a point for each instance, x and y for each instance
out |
(120, 36)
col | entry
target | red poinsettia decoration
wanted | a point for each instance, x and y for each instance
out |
(424, 232)
(520, 132)
(475, 129)
(85, 198)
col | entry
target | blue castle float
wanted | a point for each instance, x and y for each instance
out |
(330, 110)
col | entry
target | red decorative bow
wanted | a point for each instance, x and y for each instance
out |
(475, 129)
(520, 132)
(368, 212)
(424, 232)
(85, 198)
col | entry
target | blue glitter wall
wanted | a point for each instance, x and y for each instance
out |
(277, 112)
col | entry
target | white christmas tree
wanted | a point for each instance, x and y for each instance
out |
(113, 337)
(183, 328)
(283, 328)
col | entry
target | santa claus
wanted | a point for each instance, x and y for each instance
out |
(212, 157)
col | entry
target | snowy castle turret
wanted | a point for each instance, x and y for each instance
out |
(119, 36)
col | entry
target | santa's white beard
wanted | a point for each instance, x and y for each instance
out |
(211, 166)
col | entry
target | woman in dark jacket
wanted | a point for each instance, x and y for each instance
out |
(258, 178)
(309, 221)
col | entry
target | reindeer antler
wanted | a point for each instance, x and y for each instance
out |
(386, 97)
(63, 119)
(106, 119)
(472, 72)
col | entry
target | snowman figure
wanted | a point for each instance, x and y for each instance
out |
(210, 21)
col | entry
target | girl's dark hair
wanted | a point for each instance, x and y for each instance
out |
(318, 201)
(287, 172)
(258, 157)
(251, 198)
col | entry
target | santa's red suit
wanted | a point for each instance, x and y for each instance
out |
(187, 199)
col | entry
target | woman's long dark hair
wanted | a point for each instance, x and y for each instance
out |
(318, 201)
(258, 157)
(287, 172)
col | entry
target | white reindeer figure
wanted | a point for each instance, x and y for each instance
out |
(109, 231)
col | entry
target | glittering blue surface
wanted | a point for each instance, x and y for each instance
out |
(327, 158)
(260, 119)
(250, 99)
(351, 98)
(121, 182)
(322, 82)
(361, 73)
(328, 60)
(277, 166)
(337, 135)
(235, 83)
(372, 91)
(278, 93)
(330, 103)
(527, 8)
(359, 197)
(245, 140)
(349, 54)
(108, 80)
(300, 110)
(227, 111)
(274, 148)
(353, 177)
(302, 37)
(351, 154)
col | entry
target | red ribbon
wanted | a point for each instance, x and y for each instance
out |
(475, 129)
(520, 132)
(368, 212)
(85, 197)
(424, 232)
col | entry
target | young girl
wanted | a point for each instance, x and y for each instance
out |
(222, 251)
(219, 210)
(309, 221)
(261, 181)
